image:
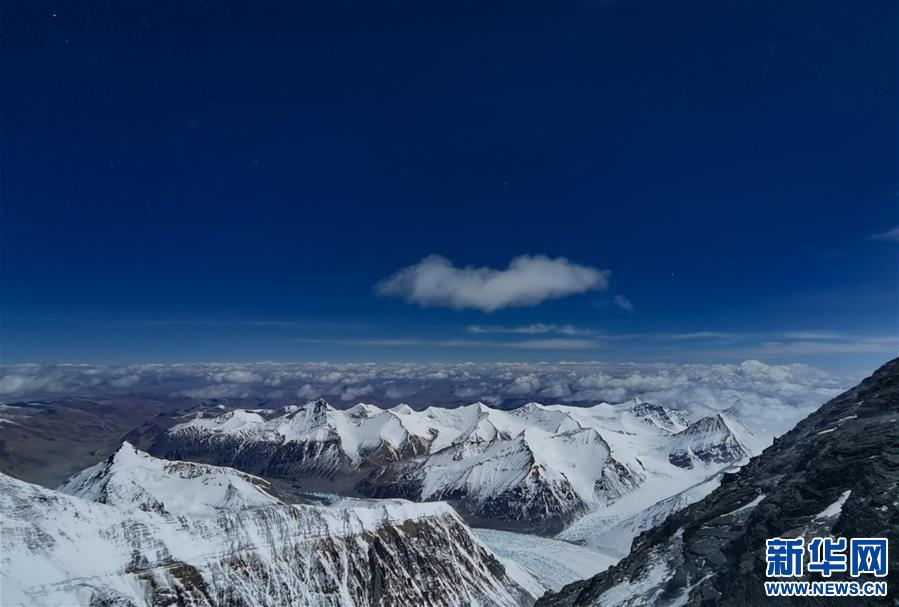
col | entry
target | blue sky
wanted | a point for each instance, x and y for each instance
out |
(220, 182)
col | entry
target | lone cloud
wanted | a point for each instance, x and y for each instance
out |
(528, 281)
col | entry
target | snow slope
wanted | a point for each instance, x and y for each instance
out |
(61, 549)
(553, 562)
(613, 529)
(131, 478)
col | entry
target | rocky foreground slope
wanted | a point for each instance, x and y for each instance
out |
(136, 531)
(535, 468)
(836, 473)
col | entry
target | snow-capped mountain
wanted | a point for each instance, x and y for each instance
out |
(133, 479)
(715, 439)
(534, 468)
(835, 474)
(197, 535)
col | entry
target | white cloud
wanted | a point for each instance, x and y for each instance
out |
(557, 391)
(351, 394)
(532, 329)
(465, 392)
(527, 344)
(888, 236)
(387, 343)
(236, 376)
(528, 281)
(308, 392)
(398, 392)
(809, 347)
(554, 344)
(126, 381)
(700, 335)
(524, 385)
(768, 397)
(811, 335)
(624, 303)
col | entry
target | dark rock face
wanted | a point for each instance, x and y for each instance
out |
(713, 552)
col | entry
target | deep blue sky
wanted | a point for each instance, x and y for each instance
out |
(229, 181)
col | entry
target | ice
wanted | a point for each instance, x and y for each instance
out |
(553, 562)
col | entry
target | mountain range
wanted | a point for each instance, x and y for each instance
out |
(536, 468)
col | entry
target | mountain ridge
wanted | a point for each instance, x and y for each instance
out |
(522, 469)
(59, 548)
(836, 473)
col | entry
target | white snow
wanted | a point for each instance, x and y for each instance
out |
(612, 460)
(835, 508)
(746, 507)
(59, 549)
(553, 562)
(131, 478)
(612, 529)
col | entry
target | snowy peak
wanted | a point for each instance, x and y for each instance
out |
(133, 479)
(552, 420)
(333, 434)
(362, 411)
(576, 459)
(60, 549)
(402, 409)
(663, 418)
(716, 439)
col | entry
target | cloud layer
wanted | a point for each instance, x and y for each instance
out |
(529, 280)
(532, 329)
(770, 398)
